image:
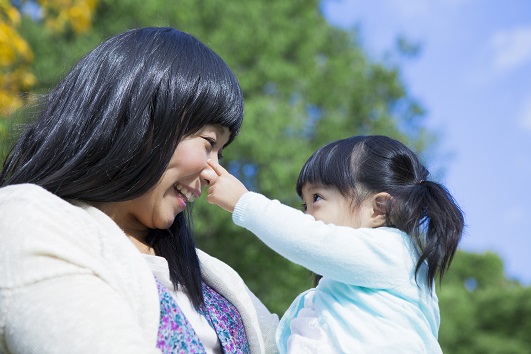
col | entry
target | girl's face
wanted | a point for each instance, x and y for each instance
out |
(179, 185)
(328, 205)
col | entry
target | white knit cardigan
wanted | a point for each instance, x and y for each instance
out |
(71, 281)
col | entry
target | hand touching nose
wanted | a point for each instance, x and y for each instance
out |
(224, 189)
(208, 176)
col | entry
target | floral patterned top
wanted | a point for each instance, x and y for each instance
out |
(176, 335)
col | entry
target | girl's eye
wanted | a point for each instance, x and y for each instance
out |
(316, 197)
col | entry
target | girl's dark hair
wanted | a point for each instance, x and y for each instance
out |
(364, 165)
(107, 132)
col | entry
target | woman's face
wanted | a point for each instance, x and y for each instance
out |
(180, 184)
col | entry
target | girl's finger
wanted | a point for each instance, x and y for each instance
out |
(217, 167)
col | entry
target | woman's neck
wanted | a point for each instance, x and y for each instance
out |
(135, 231)
(141, 244)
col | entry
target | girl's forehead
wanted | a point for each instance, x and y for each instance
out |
(310, 187)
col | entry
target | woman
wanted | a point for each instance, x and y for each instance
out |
(118, 151)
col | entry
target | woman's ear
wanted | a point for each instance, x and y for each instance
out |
(380, 206)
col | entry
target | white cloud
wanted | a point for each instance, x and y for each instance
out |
(512, 48)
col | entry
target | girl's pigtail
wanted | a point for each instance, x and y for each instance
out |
(442, 222)
(423, 209)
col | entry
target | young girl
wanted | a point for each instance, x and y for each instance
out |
(376, 230)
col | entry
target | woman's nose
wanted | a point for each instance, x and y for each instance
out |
(214, 157)
(208, 175)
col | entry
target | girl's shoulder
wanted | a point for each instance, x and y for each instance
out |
(381, 233)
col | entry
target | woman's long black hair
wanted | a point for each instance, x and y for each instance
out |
(107, 132)
(363, 165)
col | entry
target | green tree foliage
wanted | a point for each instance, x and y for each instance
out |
(481, 310)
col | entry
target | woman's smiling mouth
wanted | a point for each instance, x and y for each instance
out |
(189, 195)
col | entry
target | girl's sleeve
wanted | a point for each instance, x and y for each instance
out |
(363, 257)
(53, 298)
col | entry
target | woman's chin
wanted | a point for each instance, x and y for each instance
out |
(166, 223)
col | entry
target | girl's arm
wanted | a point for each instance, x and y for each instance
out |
(363, 257)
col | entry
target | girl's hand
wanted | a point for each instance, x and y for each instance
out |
(224, 189)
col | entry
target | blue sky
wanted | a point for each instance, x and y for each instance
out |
(473, 76)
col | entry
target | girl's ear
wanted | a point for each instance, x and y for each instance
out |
(380, 206)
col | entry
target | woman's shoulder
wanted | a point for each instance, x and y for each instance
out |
(41, 234)
(260, 324)
(213, 268)
(217, 273)
(24, 192)
(24, 205)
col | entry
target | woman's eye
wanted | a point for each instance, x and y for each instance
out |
(316, 197)
(211, 141)
(213, 144)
